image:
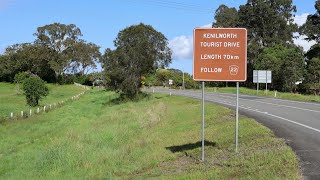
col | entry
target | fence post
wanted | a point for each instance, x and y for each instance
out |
(38, 110)
(22, 114)
(44, 108)
(11, 115)
(30, 112)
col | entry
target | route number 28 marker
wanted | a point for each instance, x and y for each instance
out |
(220, 54)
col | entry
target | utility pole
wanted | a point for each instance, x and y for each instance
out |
(183, 87)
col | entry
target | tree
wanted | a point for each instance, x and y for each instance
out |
(226, 17)
(312, 77)
(140, 49)
(163, 76)
(85, 56)
(269, 23)
(286, 64)
(6, 73)
(27, 57)
(59, 39)
(34, 88)
(311, 28)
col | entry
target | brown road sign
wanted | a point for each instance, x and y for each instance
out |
(220, 54)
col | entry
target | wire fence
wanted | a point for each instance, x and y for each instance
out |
(24, 114)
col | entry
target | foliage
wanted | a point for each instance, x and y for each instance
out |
(59, 39)
(18, 79)
(163, 76)
(313, 75)
(34, 89)
(56, 52)
(85, 56)
(225, 17)
(286, 64)
(26, 57)
(311, 28)
(140, 49)
(269, 23)
(150, 80)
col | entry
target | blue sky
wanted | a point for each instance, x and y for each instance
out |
(100, 21)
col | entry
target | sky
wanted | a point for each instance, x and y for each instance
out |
(100, 21)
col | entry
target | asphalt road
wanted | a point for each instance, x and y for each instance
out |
(297, 122)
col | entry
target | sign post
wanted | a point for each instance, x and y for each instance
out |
(220, 54)
(262, 76)
(202, 157)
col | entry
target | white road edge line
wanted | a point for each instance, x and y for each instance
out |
(273, 104)
(285, 119)
(266, 113)
(276, 99)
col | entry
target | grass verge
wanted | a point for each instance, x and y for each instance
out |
(13, 102)
(157, 137)
(280, 95)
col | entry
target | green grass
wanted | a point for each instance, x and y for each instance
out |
(94, 139)
(280, 95)
(13, 102)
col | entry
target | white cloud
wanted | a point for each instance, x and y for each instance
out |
(301, 19)
(207, 26)
(182, 47)
(303, 43)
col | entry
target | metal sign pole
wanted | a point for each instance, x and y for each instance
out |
(237, 116)
(266, 82)
(202, 120)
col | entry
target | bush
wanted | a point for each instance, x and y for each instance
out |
(34, 88)
(18, 79)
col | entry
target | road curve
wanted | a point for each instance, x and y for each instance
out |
(297, 122)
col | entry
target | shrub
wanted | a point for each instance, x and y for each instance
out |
(34, 88)
(18, 79)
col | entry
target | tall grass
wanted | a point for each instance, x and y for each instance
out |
(157, 137)
(13, 102)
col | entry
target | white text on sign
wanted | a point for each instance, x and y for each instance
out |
(220, 44)
(211, 70)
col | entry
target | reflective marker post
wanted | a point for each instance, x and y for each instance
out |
(202, 120)
(237, 116)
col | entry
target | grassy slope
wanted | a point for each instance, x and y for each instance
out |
(91, 138)
(16, 103)
(280, 95)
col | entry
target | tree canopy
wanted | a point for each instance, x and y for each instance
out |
(286, 63)
(140, 49)
(59, 39)
(226, 17)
